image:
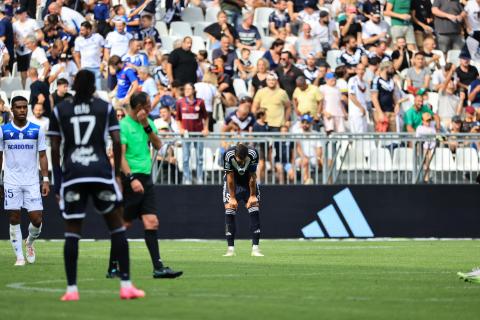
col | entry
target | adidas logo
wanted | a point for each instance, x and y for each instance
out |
(332, 222)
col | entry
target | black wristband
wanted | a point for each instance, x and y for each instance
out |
(130, 177)
(148, 129)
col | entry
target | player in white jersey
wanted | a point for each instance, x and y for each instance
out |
(22, 143)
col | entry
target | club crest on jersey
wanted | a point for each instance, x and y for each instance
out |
(241, 170)
(11, 134)
(84, 156)
(20, 136)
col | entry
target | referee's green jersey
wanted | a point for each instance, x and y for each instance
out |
(135, 138)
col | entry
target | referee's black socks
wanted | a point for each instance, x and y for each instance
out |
(151, 240)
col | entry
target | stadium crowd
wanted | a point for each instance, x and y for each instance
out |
(233, 65)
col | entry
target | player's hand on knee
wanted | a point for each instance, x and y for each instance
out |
(252, 202)
(232, 204)
(136, 186)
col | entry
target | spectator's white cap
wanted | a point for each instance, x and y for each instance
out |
(272, 76)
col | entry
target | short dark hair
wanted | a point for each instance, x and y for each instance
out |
(17, 99)
(114, 60)
(138, 99)
(419, 53)
(277, 43)
(62, 81)
(86, 24)
(241, 151)
(84, 86)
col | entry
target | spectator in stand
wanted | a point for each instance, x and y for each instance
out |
(248, 35)
(474, 93)
(449, 103)
(287, 73)
(375, 29)
(306, 44)
(101, 14)
(259, 80)
(174, 10)
(88, 51)
(4, 113)
(310, 13)
(413, 116)
(39, 92)
(233, 10)
(229, 55)
(449, 21)
(284, 159)
(148, 85)
(7, 36)
(221, 28)
(369, 7)
(358, 98)
(418, 76)
(279, 18)
(207, 91)
(333, 110)
(38, 58)
(312, 72)
(402, 56)
(371, 71)
(4, 59)
(182, 63)
(466, 72)
(261, 125)
(127, 80)
(117, 41)
(134, 56)
(133, 15)
(22, 27)
(399, 11)
(432, 60)
(440, 76)
(378, 50)
(242, 117)
(309, 151)
(38, 117)
(384, 95)
(276, 103)
(349, 25)
(325, 32)
(288, 40)
(166, 119)
(160, 73)
(353, 54)
(422, 18)
(470, 120)
(71, 20)
(65, 69)
(273, 55)
(61, 93)
(243, 65)
(425, 129)
(192, 117)
(147, 29)
(307, 99)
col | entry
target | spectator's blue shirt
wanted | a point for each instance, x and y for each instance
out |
(280, 20)
(6, 30)
(248, 37)
(148, 33)
(139, 59)
(125, 78)
(133, 29)
(472, 87)
(101, 12)
(9, 10)
(268, 56)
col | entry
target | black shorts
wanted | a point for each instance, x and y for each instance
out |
(23, 62)
(137, 204)
(242, 193)
(74, 198)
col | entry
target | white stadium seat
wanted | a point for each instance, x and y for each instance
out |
(180, 29)
(380, 160)
(467, 159)
(260, 18)
(22, 93)
(443, 160)
(240, 87)
(333, 57)
(192, 14)
(161, 28)
(403, 159)
(167, 43)
(9, 84)
(197, 44)
(211, 14)
(453, 56)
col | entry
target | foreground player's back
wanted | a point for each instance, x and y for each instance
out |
(84, 128)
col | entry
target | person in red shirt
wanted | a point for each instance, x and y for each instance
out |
(192, 117)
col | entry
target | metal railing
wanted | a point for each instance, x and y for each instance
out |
(316, 158)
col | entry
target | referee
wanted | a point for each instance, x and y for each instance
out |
(137, 132)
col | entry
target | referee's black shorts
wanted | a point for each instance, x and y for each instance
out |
(137, 204)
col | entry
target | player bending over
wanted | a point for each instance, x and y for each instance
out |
(81, 123)
(240, 165)
(22, 141)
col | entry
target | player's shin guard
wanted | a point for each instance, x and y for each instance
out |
(33, 233)
(151, 240)
(120, 252)
(70, 253)
(16, 240)
(230, 226)
(255, 224)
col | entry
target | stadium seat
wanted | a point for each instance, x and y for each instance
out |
(442, 57)
(453, 56)
(211, 14)
(443, 160)
(409, 103)
(4, 97)
(403, 159)
(267, 42)
(192, 14)
(256, 55)
(14, 70)
(333, 57)
(260, 18)
(467, 159)
(22, 93)
(197, 44)
(208, 159)
(102, 94)
(180, 29)
(380, 160)
(240, 87)
(198, 28)
(167, 43)
(9, 84)
(433, 101)
(162, 28)
(354, 159)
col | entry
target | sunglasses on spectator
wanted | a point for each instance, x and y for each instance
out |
(120, 115)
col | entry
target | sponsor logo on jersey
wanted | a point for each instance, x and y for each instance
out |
(72, 196)
(107, 195)
(20, 146)
(84, 156)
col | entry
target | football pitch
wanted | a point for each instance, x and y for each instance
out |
(295, 280)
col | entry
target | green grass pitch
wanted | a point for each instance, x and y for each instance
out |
(295, 280)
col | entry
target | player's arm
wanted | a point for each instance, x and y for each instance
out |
(232, 203)
(42, 157)
(56, 168)
(117, 152)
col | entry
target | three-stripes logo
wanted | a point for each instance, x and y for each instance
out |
(332, 223)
